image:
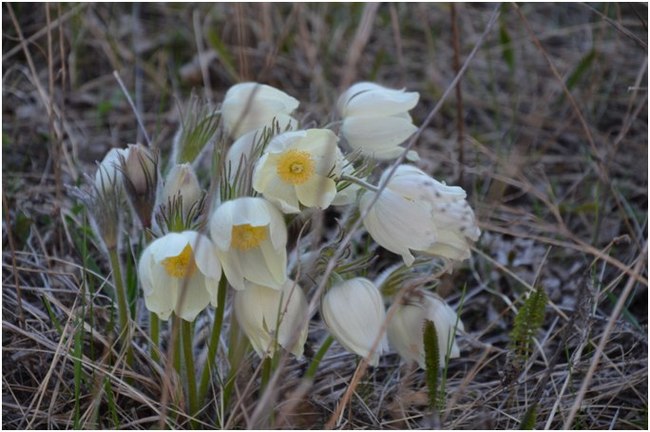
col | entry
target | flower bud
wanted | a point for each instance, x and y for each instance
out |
(354, 313)
(108, 173)
(140, 170)
(406, 328)
(266, 314)
(181, 182)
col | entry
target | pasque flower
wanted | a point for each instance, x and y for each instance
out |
(179, 273)
(376, 119)
(249, 106)
(354, 313)
(250, 238)
(269, 315)
(418, 213)
(298, 168)
(406, 328)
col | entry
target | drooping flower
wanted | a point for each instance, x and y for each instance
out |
(266, 314)
(406, 328)
(250, 238)
(298, 168)
(418, 213)
(376, 119)
(249, 106)
(179, 273)
(354, 313)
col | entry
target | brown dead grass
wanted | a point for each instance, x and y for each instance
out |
(554, 159)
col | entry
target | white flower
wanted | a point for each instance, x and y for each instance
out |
(297, 168)
(175, 262)
(250, 238)
(354, 313)
(182, 182)
(406, 328)
(376, 119)
(259, 309)
(249, 106)
(417, 212)
(238, 157)
(109, 172)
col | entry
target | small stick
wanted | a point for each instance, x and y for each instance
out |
(135, 111)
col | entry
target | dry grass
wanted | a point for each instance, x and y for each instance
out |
(552, 151)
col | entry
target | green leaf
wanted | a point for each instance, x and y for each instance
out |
(432, 361)
(506, 46)
(581, 69)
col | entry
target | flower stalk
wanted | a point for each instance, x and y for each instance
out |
(122, 307)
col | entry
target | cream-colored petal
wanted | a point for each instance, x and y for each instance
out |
(232, 268)
(276, 262)
(281, 194)
(398, 224)
(206, 258)
(354, 91)
(162, 300)
(170, 245)
(246, 210)
(192, 297)
(255, 267)
(385, 102)
(376, 135)
(284, 141)
(318, 191)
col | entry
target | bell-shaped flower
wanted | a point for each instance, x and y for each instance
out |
(269, 316)
(406, 328)
(109, 174)
(354, 313)
(418, 213)
(250, 238)
(249, 106)
(376, 119)
(140, 175)
(298, 168)
(179, 273)
(182, 183)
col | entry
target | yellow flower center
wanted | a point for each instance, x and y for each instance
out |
(182, 265)
(245, 237)
(295, 166)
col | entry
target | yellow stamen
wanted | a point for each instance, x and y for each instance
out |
(182, 265)
(245, 237)
(295, 166)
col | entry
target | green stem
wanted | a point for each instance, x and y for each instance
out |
(213, 344)
(176, 345)
(154, 330)
(237, 346)
(186, 327)
(267, 368)
(360, 182)
(123, 309)
(313, 367)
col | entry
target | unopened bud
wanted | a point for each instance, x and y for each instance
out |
(181, 182)
(140, 170)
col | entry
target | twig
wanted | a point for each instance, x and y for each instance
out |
(133, 107)
(358, 43)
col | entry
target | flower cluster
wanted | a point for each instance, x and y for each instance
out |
(272, 171)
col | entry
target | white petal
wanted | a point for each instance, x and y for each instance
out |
(354, 313)
(276, 262)
(284, 141)
(171, 245)
(195, 298)
(376, 134)
(398, 224)
(247, 210)
(280, 193)
(385, 102)
(232, 268)
(353, 91)
(318, 191)
(206, 258)
(162, 300)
